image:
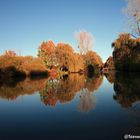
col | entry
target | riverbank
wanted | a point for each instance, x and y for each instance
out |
(21, 66)
(126, 53)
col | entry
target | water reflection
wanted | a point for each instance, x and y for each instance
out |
(52, 91)
(12, 89)
(127, 88)
(127, 94)
(81, 94)
(87, 100)
(61, 90)
(64, 90)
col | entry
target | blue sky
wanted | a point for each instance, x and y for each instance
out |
(24, 24)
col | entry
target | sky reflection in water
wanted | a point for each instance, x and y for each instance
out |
(73, 107)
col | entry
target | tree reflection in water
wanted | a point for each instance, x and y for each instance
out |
(61, 90)
(127, 88)
(87, 101)
(127, 94)
(64, 90)
(13, 89)
(52, 91)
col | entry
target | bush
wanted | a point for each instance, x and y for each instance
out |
(19, 65)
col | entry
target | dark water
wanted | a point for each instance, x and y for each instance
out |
(73, 107)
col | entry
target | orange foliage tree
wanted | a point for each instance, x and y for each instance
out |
(92, 58)
(47, 54)
(66, 57)
(61, 55)
(126, 53)
(109, 63)
(64, 54)
(25, 64)
(85, 44)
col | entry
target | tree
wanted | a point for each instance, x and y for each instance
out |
(47, 53)
(109, 63)
(61, 56)
(92, 58)
(10, 53)
(85, 41)
(126, 53)
(132, 11)
(64, 54)
(92, 63)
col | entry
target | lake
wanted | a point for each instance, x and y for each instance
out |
(71, 107)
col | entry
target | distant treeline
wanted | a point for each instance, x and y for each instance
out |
(53, 60)
(63, 57)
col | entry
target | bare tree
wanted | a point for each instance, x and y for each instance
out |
(85, 41)
(132, 11)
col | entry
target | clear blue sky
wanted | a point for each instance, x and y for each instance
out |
(24, 24)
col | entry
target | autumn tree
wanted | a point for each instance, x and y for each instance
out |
(85, 41)
(109, 63)
(61, 56)
(67, 59)
(92, 58)
(46, 52)
(78, 63)
(132, 11)
(64, 55)
(126, 53)
(85, 44)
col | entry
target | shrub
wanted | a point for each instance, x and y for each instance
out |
(19, 64)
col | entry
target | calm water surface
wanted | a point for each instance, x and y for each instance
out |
(73, 107)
